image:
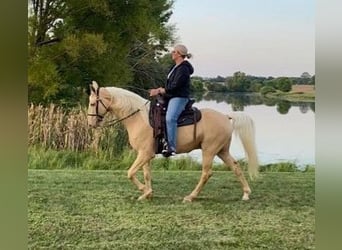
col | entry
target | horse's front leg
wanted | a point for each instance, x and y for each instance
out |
(141, 160)
(147, 190)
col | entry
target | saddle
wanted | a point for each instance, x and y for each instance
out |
(157, 118)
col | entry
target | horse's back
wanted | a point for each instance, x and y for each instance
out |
(215, 122)
(213, 115)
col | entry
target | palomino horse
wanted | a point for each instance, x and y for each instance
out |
(213, 136)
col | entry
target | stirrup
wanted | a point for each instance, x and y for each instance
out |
(168, 152)
(165, 146)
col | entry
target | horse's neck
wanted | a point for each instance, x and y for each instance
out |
(128, 106)
(136, 125)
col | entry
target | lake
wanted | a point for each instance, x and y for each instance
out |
(285, 131)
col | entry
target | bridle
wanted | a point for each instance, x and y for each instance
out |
(100, 117)
(99, 100)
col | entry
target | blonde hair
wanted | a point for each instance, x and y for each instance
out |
(182, 50)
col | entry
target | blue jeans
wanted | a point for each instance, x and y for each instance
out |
(175, 107)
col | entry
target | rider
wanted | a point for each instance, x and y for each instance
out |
(177, 90)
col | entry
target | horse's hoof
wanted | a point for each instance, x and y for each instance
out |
(145, 196)
(142, 198)
(245, 197)
(149, 195)
(187, 199)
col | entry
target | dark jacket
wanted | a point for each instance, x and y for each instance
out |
(178, 83)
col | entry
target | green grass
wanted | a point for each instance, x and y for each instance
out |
(292, 96)
(41, 158)
(78, 209)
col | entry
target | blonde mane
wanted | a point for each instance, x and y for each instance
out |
(127, 102)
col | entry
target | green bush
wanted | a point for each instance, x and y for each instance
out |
(280, 167)
(267, 89)
(284, 84)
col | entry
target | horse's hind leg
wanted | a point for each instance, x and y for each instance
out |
(206, 174)
(231, 162)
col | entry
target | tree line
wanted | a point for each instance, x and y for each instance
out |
(241, 82)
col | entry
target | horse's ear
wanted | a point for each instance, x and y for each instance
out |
(93, 87)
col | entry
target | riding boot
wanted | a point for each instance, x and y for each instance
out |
(167, 150)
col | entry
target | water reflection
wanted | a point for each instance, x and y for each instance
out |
(285, 130)
(238, 102)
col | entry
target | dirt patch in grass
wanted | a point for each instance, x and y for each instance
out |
(303, 89)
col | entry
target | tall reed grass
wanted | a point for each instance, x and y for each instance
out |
(53, 127)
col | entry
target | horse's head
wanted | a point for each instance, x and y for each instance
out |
(98, 106)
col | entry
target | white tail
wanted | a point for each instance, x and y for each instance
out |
(244, 128)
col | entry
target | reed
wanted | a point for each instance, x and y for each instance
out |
(53, 127)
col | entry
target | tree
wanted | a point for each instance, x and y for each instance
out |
(303, 107)
(239, 82)
(284, 84)
(305, 75)
(283, 107)
(218, 79)
(196, 86)
(305, 78)
(256, 85)
(267, 89)
(112, 41)
(313, 80)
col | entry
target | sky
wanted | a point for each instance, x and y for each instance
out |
(257, 37)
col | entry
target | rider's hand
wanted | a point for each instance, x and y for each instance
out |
(154, 92)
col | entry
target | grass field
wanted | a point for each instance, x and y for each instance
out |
(304, 93)
(78, 209)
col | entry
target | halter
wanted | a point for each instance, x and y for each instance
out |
(99, 100)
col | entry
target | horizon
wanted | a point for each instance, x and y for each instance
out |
(207, 77)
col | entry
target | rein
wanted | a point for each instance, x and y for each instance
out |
(115, 121)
